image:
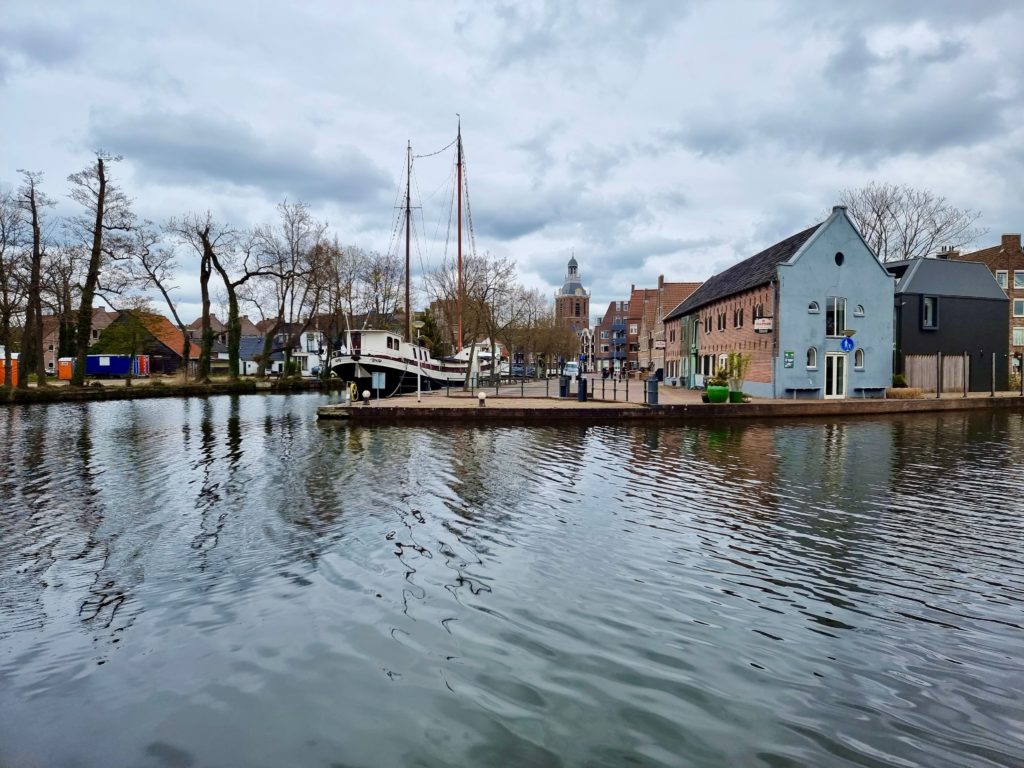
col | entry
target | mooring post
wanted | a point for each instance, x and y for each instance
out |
(993, 376)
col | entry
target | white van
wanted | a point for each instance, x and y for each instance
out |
(571, 369)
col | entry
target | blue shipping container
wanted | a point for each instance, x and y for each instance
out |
(107, 365)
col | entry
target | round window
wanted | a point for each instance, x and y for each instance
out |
(839, 258)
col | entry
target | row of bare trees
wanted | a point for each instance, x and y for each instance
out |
(287, 272)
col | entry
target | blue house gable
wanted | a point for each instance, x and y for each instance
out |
(834, 317)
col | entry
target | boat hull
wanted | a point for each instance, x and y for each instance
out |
(399, 375)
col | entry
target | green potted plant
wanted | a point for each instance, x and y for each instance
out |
(717, 387)
(736, 366)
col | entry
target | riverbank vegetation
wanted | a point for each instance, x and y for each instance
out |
(290, 275)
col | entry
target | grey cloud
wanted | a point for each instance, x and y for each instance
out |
(186, 148)
(570, 32)
(40, 46)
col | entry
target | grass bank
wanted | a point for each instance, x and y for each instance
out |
(144, 389)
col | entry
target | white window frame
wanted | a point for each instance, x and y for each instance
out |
(1018, 307)
(1018, 279)
(1018, 336)
(832, 307)
(812, 358)
(858, 359)
(813, 308)
(1003, 278)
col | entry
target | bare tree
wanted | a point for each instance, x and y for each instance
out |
(247, 260)
(295, 249)
(489, 285)
(32, 202)
(106, 223)
(13, 281)
(383, 279)
(206, 238)
(156, 267)
(63, 275)
(901, 222)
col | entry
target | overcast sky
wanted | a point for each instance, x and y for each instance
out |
(649, 138)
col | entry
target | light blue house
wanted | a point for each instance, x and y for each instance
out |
(814, 312)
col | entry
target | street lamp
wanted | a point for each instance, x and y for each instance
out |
(417, 326)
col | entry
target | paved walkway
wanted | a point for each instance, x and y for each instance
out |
(545, 394)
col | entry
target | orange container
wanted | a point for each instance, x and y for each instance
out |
(65, 368)
(14, 372)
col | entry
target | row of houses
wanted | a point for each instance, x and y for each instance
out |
(821, 317)
(165, 344)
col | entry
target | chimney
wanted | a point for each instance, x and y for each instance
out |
(1011, 241)
(838, 208)
(661, 282)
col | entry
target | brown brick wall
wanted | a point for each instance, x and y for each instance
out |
(1009, 257)
(742, 339)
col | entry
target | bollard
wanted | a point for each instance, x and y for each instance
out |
(993, 379)
(366, 397)
(482, 397)
(652, 390)
(581, 389)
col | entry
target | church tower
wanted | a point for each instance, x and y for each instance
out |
(572, 302)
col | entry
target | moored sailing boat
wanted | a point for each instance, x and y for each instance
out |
(405, 364)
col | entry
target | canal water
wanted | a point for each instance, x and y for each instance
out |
(226, 582)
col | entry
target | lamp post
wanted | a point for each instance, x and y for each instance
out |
(417, 326)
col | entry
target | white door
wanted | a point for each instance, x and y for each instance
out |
(835, 375)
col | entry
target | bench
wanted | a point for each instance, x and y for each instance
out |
(862, 390)
(794, 390)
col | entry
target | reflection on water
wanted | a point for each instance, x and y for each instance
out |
(225, 582)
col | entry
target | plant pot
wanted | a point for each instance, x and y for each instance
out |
(717, 394)
(735, 396)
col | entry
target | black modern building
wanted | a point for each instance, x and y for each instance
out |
(955, 308)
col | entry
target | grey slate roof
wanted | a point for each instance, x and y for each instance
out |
(945, 277)
(749, 273)
(249, 346)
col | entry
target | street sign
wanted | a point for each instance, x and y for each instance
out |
(763, 324)
(846, 344)
(378, 381)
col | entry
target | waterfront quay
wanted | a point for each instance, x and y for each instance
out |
(538, 403)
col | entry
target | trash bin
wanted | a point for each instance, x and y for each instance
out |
(563, 386)
(652, 390)
(581, 389)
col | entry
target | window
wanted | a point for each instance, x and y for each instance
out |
(840, 258)
(812, 358)
(604, 347)
(723, 362)
(835, 316)
(858, 359)
(812, 308)
(577, 309)
(633, 329)
(1018, 307)
(930, 312)
(758, 310)
(1018, 336)
(858, 311)
(1018, 280)
(1001, 275)
(604, 334)
(672, 334)
(50, 348)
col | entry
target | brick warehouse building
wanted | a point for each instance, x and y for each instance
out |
(814, 311)
(1006, 261)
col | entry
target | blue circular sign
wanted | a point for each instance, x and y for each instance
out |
(846, 344)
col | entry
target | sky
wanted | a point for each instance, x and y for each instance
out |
(644, 138)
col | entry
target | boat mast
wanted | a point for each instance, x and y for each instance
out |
(408, 218)
(458, 162)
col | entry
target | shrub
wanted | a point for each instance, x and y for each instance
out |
(899, 381)
(903, 393)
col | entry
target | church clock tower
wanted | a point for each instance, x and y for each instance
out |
(572, 302)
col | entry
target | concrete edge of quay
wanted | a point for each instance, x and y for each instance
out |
(539, 413)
